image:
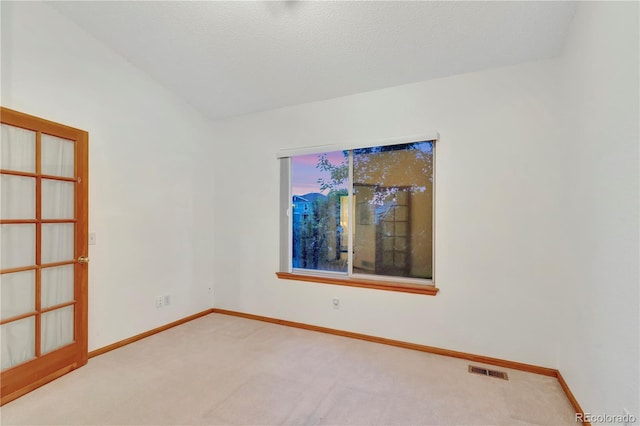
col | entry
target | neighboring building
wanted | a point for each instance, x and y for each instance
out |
(317, 232)
(302, 208)
(303, 205)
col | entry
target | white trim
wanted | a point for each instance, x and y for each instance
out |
(433, 215)
(290, 221)
(393, 279)
(351, 223)
(319, 273)
(285, 249)
(317, 149)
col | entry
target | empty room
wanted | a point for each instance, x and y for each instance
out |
(320, 213)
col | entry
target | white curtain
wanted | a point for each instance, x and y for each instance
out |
(17, 149)
(18, 341)
(18, 292)
(57, 285)
(17, 243)
(57, 242)
(57, 329)
(57, 199)
(18, 197)
(57, 156)
(57, 288)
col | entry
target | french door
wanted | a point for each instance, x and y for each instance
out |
(393, 230)
(44, 244)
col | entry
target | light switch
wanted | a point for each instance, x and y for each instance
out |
(92, 238)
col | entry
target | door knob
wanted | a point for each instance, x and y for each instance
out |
(83, 259)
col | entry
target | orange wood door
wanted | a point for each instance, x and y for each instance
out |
(44, 244)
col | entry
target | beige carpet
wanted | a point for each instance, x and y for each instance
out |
(223, 370)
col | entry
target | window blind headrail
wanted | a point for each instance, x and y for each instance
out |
(318, 149)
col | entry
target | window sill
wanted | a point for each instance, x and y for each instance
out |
(428, 290)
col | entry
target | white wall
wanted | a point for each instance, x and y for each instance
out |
(600, 115)
(150, 202)
(495, 223)
(536, 214)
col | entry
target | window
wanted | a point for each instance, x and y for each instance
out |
(361, 216)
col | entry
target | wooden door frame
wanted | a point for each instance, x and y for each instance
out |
(25, 377)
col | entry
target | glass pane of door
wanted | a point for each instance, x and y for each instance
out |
(18, 197)
(17, 149)
(57, 199)
(58, 158)
(57, 329)
(57, 285)
(18, 341)
(18, 245)
(57, 242)
(17, 293)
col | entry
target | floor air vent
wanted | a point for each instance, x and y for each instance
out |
(487, 372)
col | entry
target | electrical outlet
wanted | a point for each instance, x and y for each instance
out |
(166, 300)
(336, 303)
(159, 301)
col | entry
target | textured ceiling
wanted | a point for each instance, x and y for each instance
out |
(232, 58)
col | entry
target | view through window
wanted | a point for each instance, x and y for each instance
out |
(389, 225)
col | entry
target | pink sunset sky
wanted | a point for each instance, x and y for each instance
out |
(304, 174)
